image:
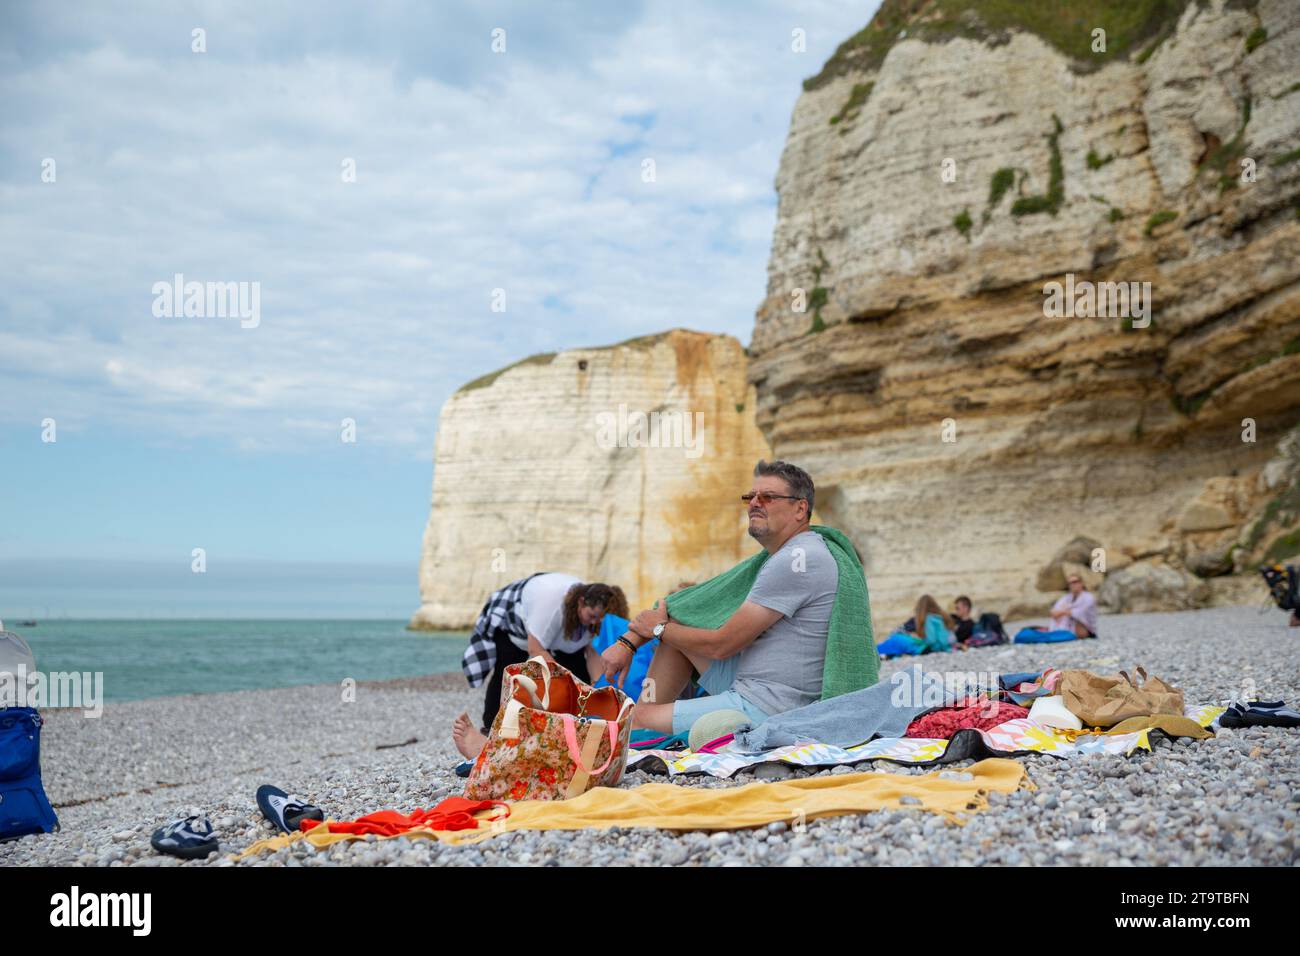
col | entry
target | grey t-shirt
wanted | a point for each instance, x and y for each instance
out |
(782, 668)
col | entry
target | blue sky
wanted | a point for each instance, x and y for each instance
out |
(475, 171)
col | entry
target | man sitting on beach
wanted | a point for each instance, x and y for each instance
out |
(768, 656)
(963, 623)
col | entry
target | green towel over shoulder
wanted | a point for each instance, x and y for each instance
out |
(851, 659)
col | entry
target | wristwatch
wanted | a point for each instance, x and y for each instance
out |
(658, 630)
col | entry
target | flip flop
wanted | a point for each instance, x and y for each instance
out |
(463, 768)
(191, 838)
(285, 811)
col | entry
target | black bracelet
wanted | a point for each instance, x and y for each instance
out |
(626, 643)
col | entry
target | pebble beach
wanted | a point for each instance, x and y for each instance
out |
(1230, 800)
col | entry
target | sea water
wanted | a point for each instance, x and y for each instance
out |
(159, 658)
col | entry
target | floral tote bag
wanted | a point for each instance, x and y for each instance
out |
(554, 737)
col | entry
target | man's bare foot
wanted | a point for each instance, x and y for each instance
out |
(468, 739)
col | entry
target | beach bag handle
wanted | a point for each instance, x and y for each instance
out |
(530, 685)
(510, 724)
(590, 745)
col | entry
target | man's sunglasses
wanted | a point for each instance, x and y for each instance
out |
(763, 498)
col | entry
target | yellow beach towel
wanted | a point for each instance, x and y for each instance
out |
(672, 807)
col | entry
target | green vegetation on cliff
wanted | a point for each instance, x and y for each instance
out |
(1096, 162)
(1285, 158)
(962, 222)
(1282, 512)
(820, 295)
(483, 381)
(546, 358)
(1002, 180)
(1157, 219)
(1051, 201)
(1067, 25)
(849, 111)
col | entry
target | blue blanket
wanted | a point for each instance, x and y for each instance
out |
(1030, 636)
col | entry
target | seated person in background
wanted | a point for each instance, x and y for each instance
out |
(934, 632)
(1076, 610)
(963, 625)
(769, 656)
(976, 631)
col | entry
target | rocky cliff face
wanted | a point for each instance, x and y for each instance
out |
(949, 163)
(620, 464)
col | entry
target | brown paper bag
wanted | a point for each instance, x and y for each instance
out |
(1104, 701)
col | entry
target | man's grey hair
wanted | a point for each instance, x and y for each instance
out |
(799, 481)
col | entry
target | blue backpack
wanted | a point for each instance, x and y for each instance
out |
(24, 808)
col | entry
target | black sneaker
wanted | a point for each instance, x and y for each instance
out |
(285, 811)
(1258, 714)
(190, 839)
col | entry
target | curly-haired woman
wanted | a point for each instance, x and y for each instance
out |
(549, 614)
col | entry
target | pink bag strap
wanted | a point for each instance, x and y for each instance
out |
(571, 738)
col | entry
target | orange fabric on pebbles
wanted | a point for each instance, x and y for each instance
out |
(671, 807)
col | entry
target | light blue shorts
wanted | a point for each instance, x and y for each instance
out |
(718, 681)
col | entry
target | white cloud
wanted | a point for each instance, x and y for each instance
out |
(523, 171)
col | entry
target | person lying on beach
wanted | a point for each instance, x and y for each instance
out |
(768, 656)
(550, 614)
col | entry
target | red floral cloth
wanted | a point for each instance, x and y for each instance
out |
(979, 713)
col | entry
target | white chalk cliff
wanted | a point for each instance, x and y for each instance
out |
(620, 464)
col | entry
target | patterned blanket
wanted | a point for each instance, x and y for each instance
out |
(1015, 737)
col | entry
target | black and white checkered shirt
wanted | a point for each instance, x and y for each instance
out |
(500, 613)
